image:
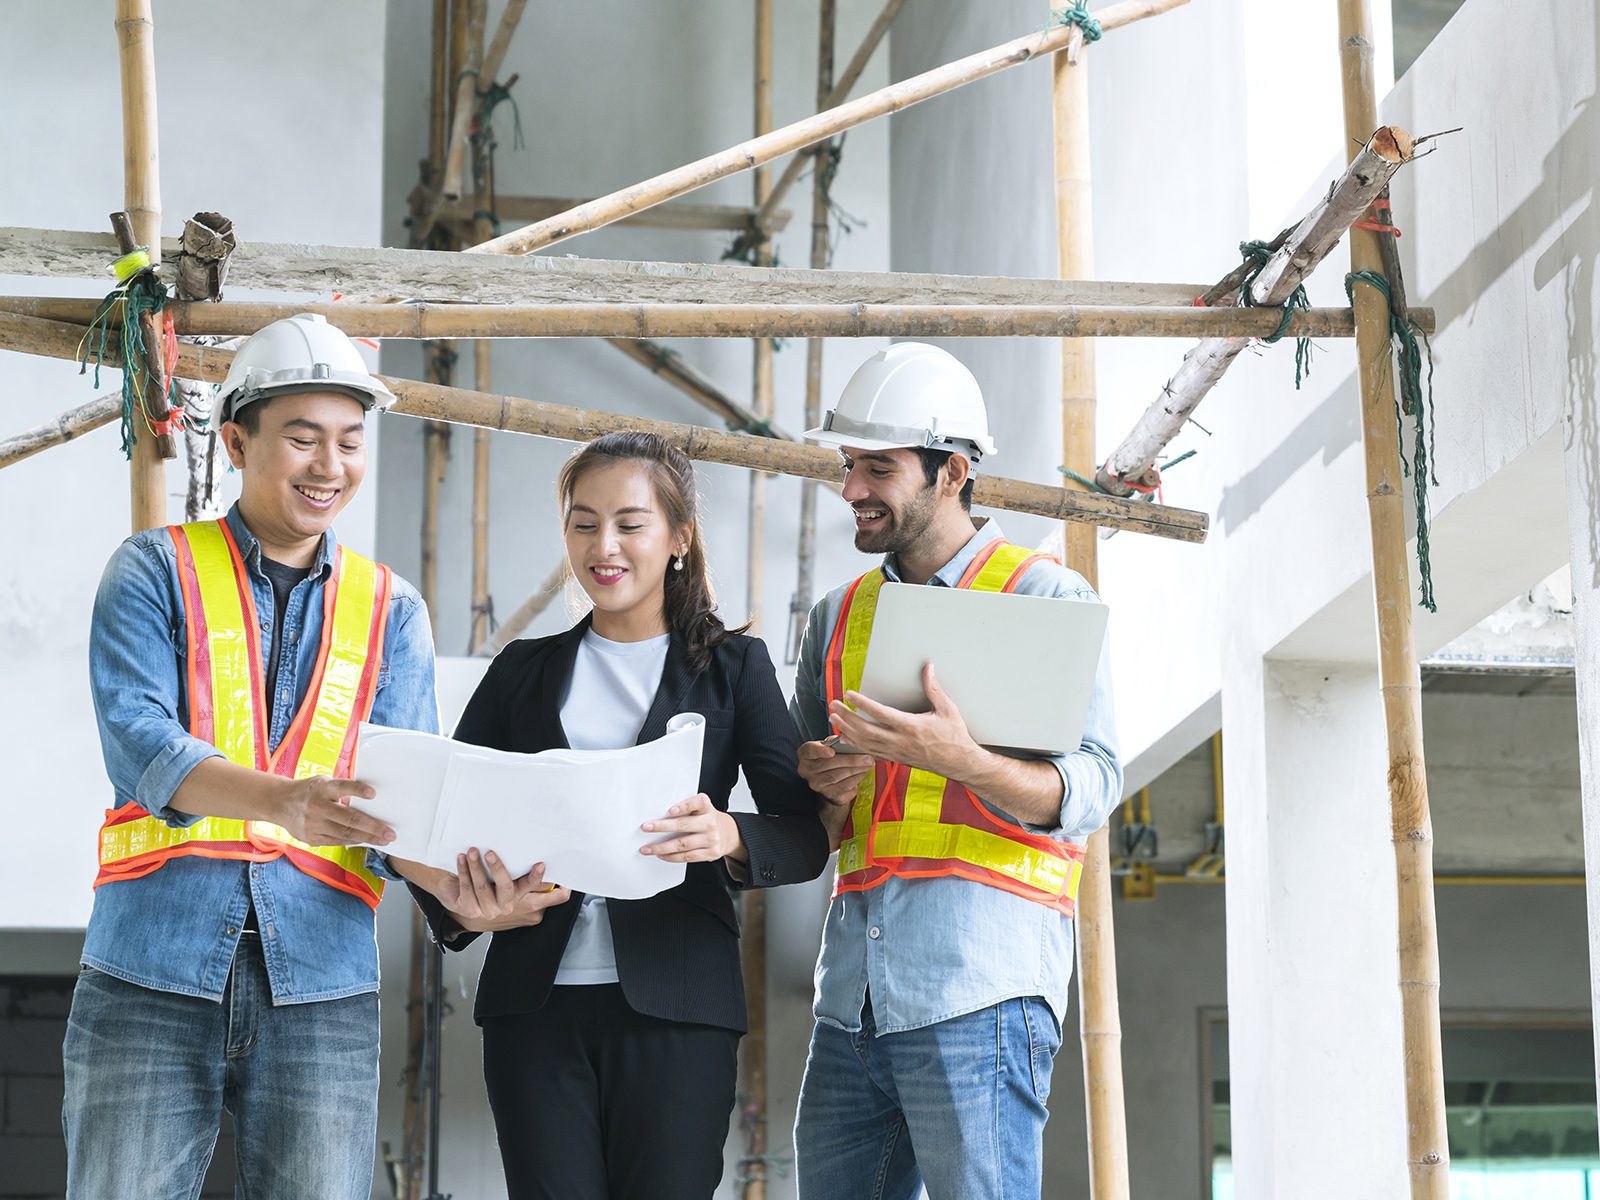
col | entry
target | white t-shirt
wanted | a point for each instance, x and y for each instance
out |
(613, 685)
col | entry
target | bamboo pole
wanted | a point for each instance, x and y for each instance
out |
(231, 318)
(670, 366)
(798, 136)
(1099, 1016)
(141, 192)
(431, 401)
(482, 349)
(368, 273)
(753, 901)
(1427, 1143)
(73, 423)
(474, 82)
(1383, 153)
(806, 552)
(676, 214)
(767, 215)
(511, 628)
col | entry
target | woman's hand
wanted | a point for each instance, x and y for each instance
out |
(705, 834)
(483, 897)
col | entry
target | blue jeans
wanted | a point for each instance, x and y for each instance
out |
(958, 1106)
(148, 1074)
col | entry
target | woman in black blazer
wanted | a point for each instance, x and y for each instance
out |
(625, 1088)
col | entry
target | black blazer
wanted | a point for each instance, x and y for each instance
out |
(677, 952)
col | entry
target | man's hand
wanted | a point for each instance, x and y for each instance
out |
(935, 741)
(317, 811)
(483, 897)
(832, 775)
(705, 834)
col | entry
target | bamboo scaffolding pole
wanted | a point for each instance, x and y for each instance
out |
(798, 136)
(141, 193)
(1427, 1142)
(753, 901)
(367, 273)
(676, 214)
(1133, 461)
(473, 82)
(511, 628)
(483, 362)
(1099, 1014)
(73, 423)
(806, 550)
(459, 406)
(649, 321)
(767, 215)
(670, 366)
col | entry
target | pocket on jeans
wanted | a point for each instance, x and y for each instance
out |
(1044, 1040)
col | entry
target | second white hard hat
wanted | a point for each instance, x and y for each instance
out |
(911, 395)
(302, 353)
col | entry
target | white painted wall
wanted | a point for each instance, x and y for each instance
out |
(246, 134)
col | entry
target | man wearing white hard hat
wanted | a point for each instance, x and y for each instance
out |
(230, 960)
(947, 952)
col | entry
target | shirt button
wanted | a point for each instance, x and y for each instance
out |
(285, 693)
(874, 932)
(233, 929)
(266, 625)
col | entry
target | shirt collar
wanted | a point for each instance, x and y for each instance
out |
(250, 546)
(950, 574)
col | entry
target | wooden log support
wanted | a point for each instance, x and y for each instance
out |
(1099, 1014)
(511, 628)
(1427, 1141)
(1133, 461)
(366, 273)
(430, 401)
(470, 86)
(73, 423)
(824, 125)
(649, 321)
(678, 214)
(141, 191)
(767, 215)
(806, 546)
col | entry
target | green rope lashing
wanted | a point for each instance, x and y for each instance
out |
(1416, 393)
(144, 293)
(1077, 13)
(1259, 253)
(496, 95)
(1095, 487)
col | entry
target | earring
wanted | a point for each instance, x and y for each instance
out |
(677, 563)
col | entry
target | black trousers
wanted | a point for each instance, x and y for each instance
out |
(593, 1101)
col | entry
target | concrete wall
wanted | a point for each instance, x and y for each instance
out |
(243, 134)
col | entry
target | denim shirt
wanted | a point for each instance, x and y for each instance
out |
(176, 929)
(927, 950)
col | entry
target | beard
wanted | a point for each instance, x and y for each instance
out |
(901, 530)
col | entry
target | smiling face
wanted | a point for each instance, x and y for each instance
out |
(894, 503)
(620, 546)
(300, 466)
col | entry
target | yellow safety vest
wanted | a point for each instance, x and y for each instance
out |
(228, 708)
(912, 823)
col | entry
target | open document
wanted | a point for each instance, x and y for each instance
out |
(576, 811)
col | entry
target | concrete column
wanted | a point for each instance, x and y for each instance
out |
(1313, 997)
(1582, 454)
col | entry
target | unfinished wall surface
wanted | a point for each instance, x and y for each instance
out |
(242, 134)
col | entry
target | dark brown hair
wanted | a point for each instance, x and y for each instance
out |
(688, 599)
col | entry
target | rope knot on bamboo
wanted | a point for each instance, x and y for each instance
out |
(139, 293)
(1077, 13)
(1259, 253)
(1416, 399)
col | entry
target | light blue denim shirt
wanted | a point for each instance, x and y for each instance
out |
(176, 930)
(932, 949)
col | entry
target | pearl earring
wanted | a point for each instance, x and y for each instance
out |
(677, 563)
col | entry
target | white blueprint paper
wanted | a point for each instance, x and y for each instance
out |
(576, 811)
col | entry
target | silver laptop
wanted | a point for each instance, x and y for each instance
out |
(1020, 668)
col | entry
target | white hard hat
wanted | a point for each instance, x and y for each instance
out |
(302, 353)
(910, 395)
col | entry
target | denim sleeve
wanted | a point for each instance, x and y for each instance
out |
(407, 691)
(806, 709)
(135, 677)
(1091, 776)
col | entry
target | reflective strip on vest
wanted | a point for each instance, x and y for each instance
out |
(228, 708)
(917, 824)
